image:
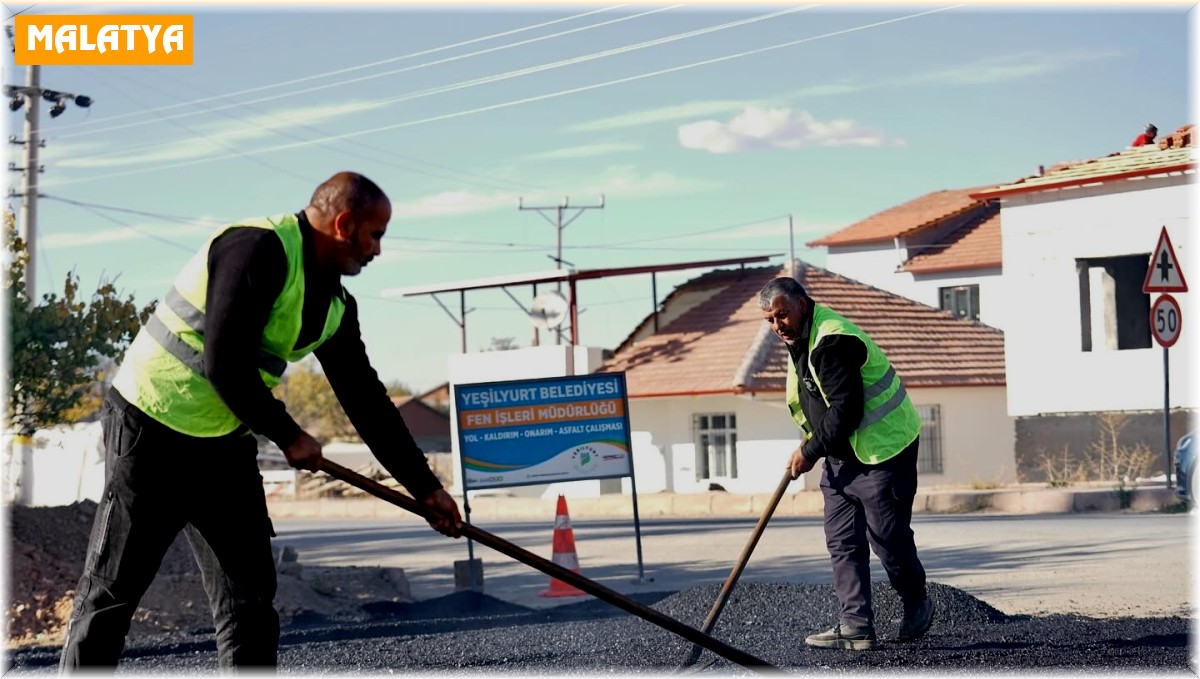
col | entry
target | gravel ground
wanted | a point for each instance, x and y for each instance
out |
(469, 633)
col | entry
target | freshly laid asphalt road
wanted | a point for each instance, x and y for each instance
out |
(469, 633)
(1093, 564)
(1091, 593)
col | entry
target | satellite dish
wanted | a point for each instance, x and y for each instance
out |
(549, 310)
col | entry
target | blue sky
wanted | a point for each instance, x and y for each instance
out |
(703, 126)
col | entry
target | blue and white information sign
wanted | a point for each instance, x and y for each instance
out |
(547, 430)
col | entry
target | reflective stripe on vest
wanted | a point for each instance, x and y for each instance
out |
(890, 422)
(163, 370)
(194, 318)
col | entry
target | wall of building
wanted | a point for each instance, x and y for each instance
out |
(1065, 442)
(977, 439)
(926, 289)
(877, 265)
(978, 436)
(1044, 234)
(766, 438)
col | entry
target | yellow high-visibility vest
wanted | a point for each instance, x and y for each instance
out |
(890, 422)
(163, 371)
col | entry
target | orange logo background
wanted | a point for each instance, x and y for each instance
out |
(103, 40)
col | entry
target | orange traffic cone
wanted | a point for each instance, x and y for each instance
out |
(564, 552)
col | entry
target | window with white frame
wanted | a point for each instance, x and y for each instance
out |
(1114, 313)
(715, 436)
(929, 450)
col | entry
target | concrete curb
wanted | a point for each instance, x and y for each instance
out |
(717, 504)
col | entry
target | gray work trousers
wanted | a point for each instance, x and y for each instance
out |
(870, 506)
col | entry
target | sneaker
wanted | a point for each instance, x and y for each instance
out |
(917, 620)
(844, 636)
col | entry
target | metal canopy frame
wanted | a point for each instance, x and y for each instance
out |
(569, 276)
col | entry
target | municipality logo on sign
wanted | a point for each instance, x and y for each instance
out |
(584, 457)
(103, 40)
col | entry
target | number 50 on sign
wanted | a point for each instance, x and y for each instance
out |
(1166, 321)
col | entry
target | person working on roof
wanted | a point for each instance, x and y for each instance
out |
(854, 412)
(194, 384)
(1146, 137)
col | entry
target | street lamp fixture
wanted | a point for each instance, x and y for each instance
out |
(18, 94)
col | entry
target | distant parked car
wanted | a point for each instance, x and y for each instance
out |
(1185, 469)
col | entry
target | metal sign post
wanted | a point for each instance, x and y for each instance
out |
(1165, 275)
(1166, 322)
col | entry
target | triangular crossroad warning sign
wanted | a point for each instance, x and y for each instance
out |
(1164, 273)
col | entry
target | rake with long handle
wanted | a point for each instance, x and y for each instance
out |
(731, 581)
(550, 568)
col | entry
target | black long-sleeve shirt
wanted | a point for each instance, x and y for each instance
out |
(838, 361)
(247, 268)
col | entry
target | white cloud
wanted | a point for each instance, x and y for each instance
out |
(585, 151)
(178, 233)
(1005, 68)
(448, 203)
(757, 128)
(55, 241)
(624, 181)
(827, 90)
(218, 139)
(665, 114)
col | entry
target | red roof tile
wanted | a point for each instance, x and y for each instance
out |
(976, 245)
(1181, 137)
(1143, 161)
(906, 218)
(722, 345)
(701, 350)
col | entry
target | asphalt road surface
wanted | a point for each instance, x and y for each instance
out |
(1011, 594)
(1098, 565)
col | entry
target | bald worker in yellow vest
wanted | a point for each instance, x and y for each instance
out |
(193, 386)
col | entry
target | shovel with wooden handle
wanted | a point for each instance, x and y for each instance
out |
(731, 581)
(552, 569)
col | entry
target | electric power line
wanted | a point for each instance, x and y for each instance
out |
(140, 213)
(351, 69)
(114, 220)
(459, 175)
(373, 76)
(497, 246)
(527, 100)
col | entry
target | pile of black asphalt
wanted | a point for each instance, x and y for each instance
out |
(471, 633)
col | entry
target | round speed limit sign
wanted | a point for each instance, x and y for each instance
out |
(1165, 320)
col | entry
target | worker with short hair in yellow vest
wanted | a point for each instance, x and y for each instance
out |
(853, 411)
(196, 383)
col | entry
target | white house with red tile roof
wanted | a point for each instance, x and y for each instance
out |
(1077, 241)
(707, 388)
(941, 249)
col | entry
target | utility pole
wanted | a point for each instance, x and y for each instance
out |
(559, 225)
(792, 248)
(30, 97)
(29, 184)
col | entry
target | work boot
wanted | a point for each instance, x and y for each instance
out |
(844, 636)
(918, 618)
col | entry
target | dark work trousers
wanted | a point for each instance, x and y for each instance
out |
(157, 483)
(871, 505)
